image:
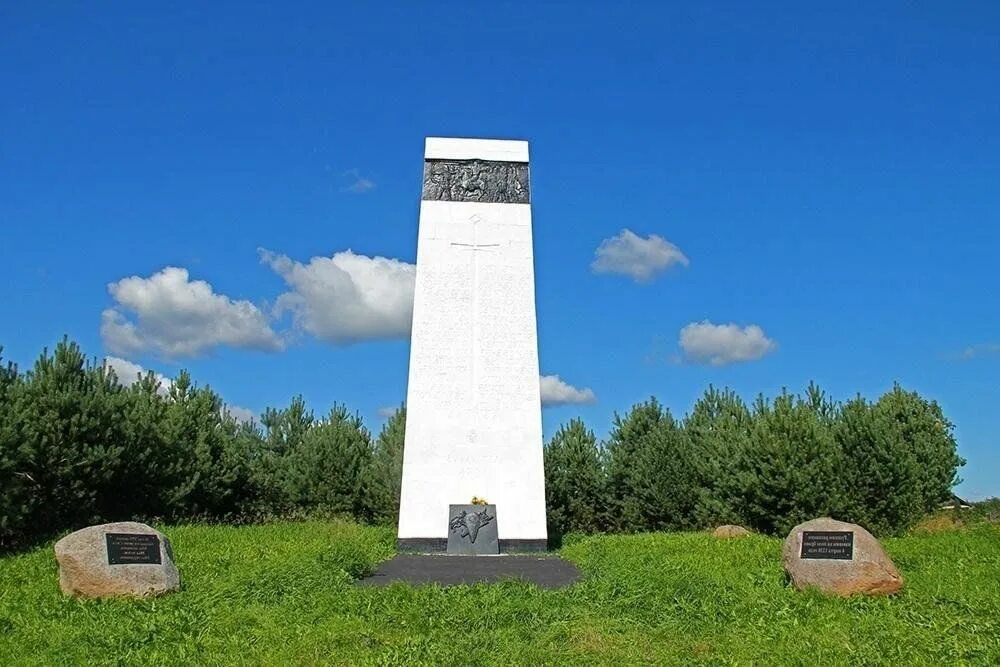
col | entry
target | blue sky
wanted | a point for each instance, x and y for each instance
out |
(817, 184)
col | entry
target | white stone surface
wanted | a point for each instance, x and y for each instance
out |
(445, 148)
(473, 424)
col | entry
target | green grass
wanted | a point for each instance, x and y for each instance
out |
(282, 594)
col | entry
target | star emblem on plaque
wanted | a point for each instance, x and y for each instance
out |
(472, 529)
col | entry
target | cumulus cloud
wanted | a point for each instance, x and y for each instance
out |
(387, 411)
(128, 373)
(555, 391)
(358, 184)
(175, 316)
(721, 344)
(639, 258)
(346, 298)
(241, 415)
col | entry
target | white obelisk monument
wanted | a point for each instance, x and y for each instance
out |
(473, 409)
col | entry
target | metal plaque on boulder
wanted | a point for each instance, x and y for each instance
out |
(472, 530)
(829, 544)
(133, 549)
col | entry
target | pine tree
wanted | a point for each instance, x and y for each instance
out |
(667, 476)
(16, 502)
(152, 464)
(385, 473)
(574, 481)
(286, 428)
(789, 471)
(825, 408)
(718, 430)
(327, 468)
(67, 420)
(650, 472)
(202, 437)
(881, 475)
(629, 435)
(284, 432)
(929, 435)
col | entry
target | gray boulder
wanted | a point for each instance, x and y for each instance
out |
(730, 531)
(838, 558)
(116, 559)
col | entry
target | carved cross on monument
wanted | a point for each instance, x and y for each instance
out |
(475, 219)
(475, 247)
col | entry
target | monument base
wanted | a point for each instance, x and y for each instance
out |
(439, 545)
(544, 571)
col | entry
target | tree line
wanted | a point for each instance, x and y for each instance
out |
(78, 447)
(767, 466)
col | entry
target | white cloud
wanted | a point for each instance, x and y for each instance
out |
(556, 391)
(179, 317)
(346, 298)
(358, 183)
(241, 415)
(387, 411)
(640, 258)
(128, 373)
(978, 351)
(721, 344)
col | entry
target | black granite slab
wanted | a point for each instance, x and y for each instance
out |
(544, 571)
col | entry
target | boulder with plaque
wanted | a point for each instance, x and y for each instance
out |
(126, 559)
(839, 558)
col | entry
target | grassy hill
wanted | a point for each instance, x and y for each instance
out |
(283, 594)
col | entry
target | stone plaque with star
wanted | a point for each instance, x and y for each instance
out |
(472, 530)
